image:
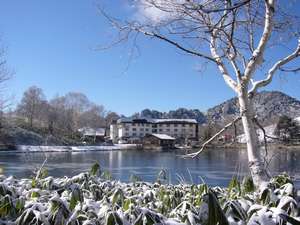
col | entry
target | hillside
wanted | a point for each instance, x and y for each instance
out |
(180, 113)
(269, 105)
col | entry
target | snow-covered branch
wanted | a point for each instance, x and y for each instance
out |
(257, 56)
(274, 68)
(227, 78)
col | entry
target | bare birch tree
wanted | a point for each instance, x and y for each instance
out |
(237, 36)
(5, 75)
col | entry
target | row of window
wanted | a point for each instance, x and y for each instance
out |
(160, 125)
(155, 130)
(142, 135)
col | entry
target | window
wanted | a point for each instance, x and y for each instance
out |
(146, 129)
(191, 125)
(126, 134)
(175, 130)
(141, 129)
(133, 129)
(133, 134)
(127, 129)
(168, 130)
(160, 130)
(154, 130)
(133, 124)
(183, 125)
(168, 125)
(175, 125)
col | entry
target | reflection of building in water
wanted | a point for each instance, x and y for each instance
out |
(115, 159)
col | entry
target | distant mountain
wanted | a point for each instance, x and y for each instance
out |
(180, 113)
(269, 106)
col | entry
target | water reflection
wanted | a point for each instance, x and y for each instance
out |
(215, 167)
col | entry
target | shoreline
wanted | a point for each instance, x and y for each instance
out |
(120, 147)
(37, 149)
(279, 146)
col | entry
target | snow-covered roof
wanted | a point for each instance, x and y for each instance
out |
(147, 120)
(163, 136)
(174, 121)
(87, 131)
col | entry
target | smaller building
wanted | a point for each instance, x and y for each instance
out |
(96, 135)
(226, 138)
(162, 141)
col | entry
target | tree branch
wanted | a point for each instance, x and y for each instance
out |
(274, 68)
(177, 45)
(195, 154)
(227, 78)
(295, 70)
(257, 55)
(200, 7)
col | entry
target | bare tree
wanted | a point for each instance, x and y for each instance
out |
(237, 36)
(72, 111)
(93, 117)
(110, 118)
(31, 104)
(5, 75)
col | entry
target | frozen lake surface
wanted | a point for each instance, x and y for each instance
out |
(214, 166)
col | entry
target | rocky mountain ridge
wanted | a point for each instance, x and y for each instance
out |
(269, 105)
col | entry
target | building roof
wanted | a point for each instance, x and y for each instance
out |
(87, 131)
(163, 136)
(174, 121)
(147, 120)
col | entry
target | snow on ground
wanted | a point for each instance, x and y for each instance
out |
(29, 148)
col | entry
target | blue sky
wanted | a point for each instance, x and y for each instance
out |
(51, 44)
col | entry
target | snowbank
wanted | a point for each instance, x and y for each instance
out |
(30, 148)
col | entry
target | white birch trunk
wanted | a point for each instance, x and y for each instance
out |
(256, 163)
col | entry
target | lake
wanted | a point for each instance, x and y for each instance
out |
(214, 166)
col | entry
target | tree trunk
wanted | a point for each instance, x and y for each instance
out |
(256, 163)
(31, 121)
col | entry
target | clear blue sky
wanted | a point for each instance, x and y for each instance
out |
(51, 44)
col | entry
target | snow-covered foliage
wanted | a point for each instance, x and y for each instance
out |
(89, 199)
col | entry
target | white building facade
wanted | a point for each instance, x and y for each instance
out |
(126, 128)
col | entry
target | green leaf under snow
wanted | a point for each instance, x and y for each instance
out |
(95, 169)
